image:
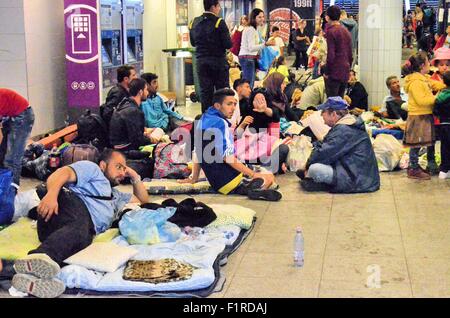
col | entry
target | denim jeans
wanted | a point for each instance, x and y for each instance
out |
(16, 131)
(321, 173)
(248, 69)
(414, 157)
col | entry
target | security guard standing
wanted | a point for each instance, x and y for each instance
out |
(211, 38)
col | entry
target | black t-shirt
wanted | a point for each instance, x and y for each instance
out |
(300, 45)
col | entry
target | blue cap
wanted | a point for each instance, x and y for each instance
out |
(334, 103)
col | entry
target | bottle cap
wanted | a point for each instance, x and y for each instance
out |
(299, 230)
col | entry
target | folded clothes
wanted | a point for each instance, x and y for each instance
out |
(158, 272)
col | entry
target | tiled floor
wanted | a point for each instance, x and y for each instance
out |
(392, 243)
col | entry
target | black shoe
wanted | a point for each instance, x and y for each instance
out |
(309, 185)
(265, 195)
(255, 184)
(300, 174)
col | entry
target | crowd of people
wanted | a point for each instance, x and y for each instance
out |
(236, 139)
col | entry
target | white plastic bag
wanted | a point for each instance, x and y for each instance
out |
(24, 202)
(388, 151)
(299, 152)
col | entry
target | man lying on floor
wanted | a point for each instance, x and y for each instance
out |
(345, 161)
(215, 154)
(78, 202)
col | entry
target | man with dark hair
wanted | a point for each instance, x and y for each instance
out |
(339, 56)
(345, 161)
(243, 92)
(127, 130)
(125, 74)
(395, 105)
(215, 154)
(157, 114)
(211, 38)
(78, 202)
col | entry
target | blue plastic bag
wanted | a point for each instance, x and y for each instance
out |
(145, 226)
(7, 195)
(266, 58)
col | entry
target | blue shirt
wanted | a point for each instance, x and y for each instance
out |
(91, 181)
(157, 114)
(217, 143)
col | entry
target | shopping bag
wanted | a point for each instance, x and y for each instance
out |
(266, 58)
(300, 150)
(388, 151)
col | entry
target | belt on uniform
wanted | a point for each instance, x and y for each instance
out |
(254, 57)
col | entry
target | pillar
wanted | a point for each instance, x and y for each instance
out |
(380, 45)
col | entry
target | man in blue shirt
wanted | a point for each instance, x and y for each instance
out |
(157, 114)
(215, 154)
(79, 203)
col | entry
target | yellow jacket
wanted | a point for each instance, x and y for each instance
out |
(420, 94)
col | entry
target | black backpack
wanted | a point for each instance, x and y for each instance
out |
(92, 130)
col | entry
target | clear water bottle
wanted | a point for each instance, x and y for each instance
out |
(299, 249)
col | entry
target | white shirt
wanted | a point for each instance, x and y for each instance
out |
(251, 42)
(279, 43)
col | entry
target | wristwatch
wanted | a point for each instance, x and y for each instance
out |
(136, 180)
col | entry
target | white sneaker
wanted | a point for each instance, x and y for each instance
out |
(38, 287)
(39, 265)
(444, 175)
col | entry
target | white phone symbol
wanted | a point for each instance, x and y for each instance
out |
(81, 34)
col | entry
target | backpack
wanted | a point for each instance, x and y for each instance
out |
(7, 195)
(77, 153)
(236, 39)
(170, 161)
(92, 130)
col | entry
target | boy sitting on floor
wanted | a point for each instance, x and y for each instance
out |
(157, 114)
(215, 152)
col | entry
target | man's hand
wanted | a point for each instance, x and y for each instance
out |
(268, 178)
(130, 173)
(247, 121)
(270, 42)
(187, 181)
(259, 103)
(48, 207)
(1, 135)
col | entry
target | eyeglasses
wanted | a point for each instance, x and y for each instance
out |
(120, 166)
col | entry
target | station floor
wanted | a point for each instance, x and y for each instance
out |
(392, 243)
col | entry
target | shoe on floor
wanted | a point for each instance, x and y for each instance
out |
(39, 265)
(38, 287)
(444, 175)
(265, 195)
(309, 185)
(418, 174)
(300, 174)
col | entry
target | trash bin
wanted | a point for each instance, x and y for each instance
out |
(177, 81)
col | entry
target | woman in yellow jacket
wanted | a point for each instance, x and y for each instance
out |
(420, 130)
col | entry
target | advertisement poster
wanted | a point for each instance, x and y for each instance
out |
(82, 53)
(287, 13)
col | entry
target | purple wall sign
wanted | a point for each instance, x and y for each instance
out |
(82, 53)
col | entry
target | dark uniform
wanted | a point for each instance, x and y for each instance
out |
(211, 38)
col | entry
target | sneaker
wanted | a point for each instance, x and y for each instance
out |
(300, 174)
(39, 265)
(38, 287)
(265, 195)
(418, 174)
(444, 175)
(309, 185)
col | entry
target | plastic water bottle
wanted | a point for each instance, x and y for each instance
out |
(299, 248)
